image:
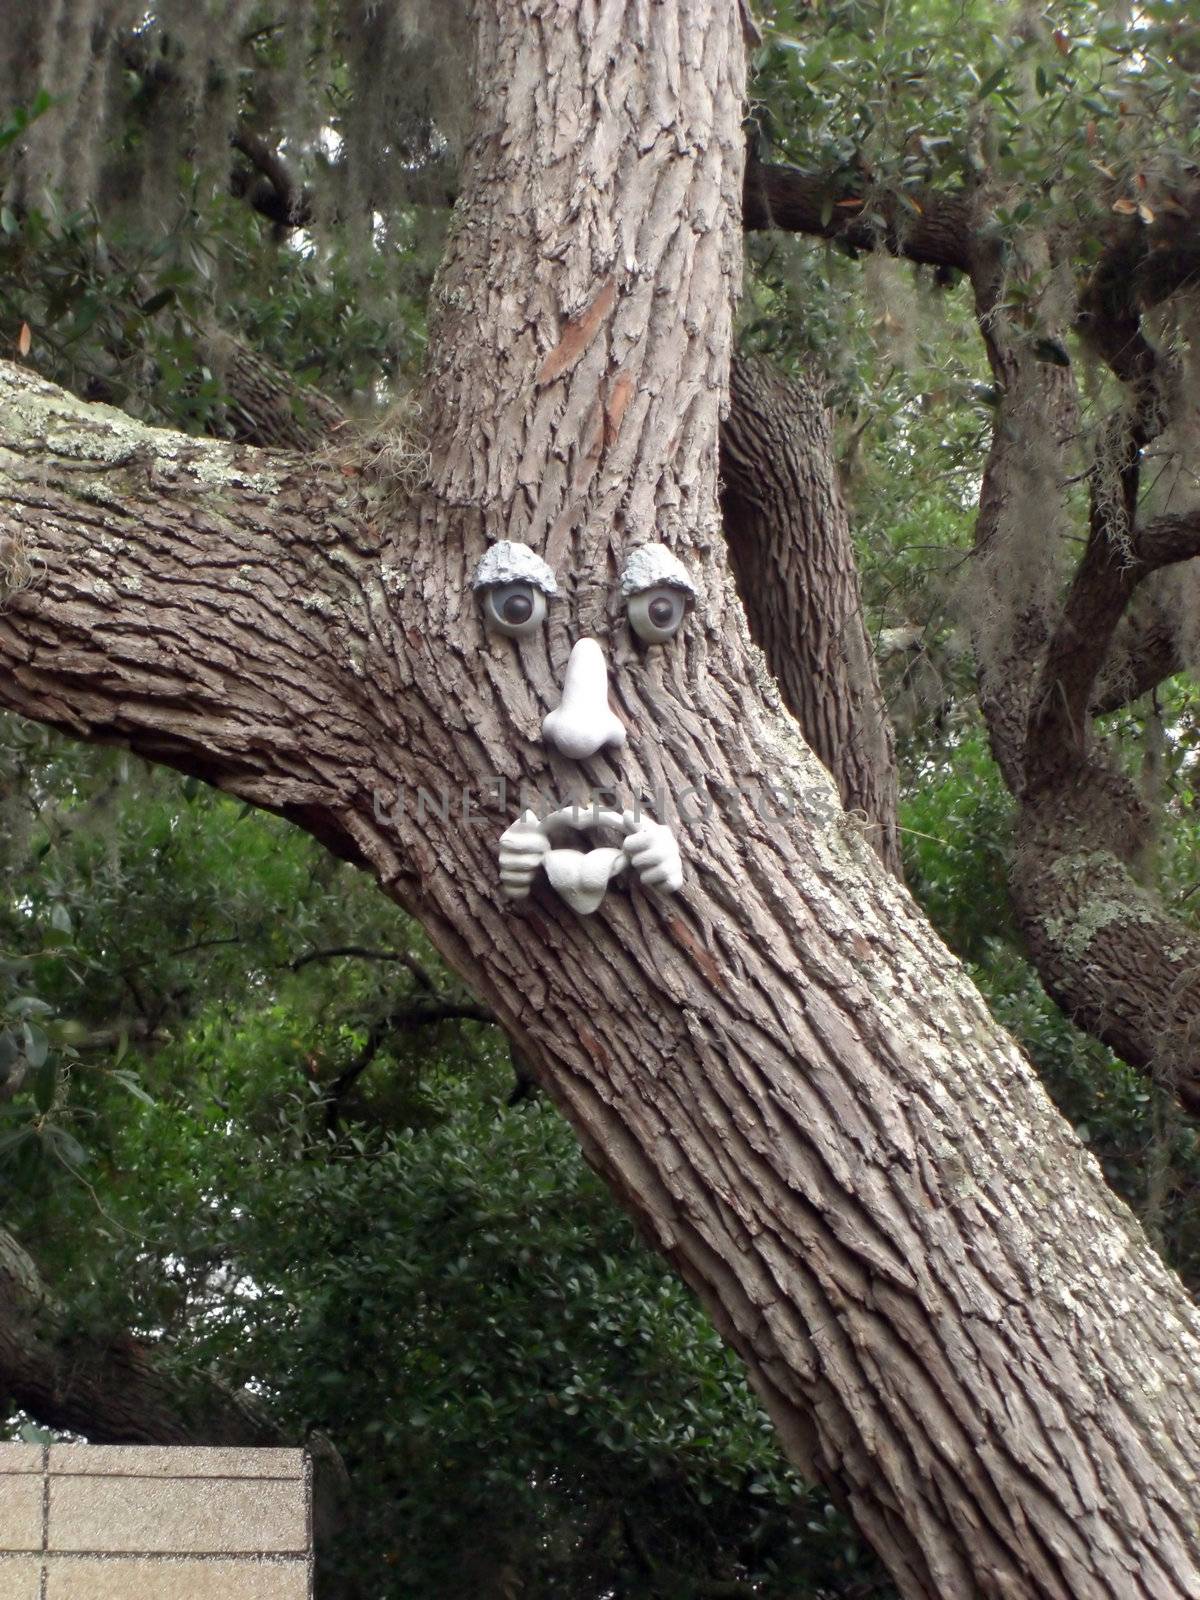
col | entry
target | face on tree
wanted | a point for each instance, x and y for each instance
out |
(515, 584)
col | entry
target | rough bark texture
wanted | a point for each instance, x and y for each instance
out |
(266, 406)
(781, 1071)
(791, 552)
(789, 545)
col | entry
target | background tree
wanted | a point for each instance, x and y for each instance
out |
(1052, 169)
(225, 404)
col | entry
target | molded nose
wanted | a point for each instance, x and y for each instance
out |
(582, 723)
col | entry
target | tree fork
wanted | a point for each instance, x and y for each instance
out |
(790, 549)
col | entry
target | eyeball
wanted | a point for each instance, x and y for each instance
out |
(655, 614)
(517, 609)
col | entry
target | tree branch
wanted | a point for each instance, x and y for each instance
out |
(933, 228)
(1101, 589)
(1146, 648)
(790, 547)
(422, 1011)
(167, 608)
(113, 1389)
(265, 406)
(404, 957)
(1140, 266)
(1167, 539)
(277, 198)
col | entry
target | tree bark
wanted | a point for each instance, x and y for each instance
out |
(781, 1071)
(789, 545)
(791, 553)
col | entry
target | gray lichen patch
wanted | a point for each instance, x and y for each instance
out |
(214, 466)
(37, 419)
(1106, 897)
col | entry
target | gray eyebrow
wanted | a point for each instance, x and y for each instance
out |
(653, 566)
(510, 562)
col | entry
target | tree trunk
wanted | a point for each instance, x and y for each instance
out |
(789, 544)
(781, 1071)
(791, 552)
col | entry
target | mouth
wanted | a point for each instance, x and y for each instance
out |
(582, 877)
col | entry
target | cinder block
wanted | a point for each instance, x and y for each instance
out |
(20, 1458)
(89, 1578)
(190, 1515)
(21, 1512)
(176, 1461)
(20, 1577)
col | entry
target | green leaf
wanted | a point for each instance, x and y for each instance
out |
(37, 1045)
(992, 81)
(129, 1082)
(64, 1145)
(29, 1005)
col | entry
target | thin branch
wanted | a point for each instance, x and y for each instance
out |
(405, 958)
(420, 1012)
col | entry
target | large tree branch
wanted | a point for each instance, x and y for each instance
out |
(791, 551)
(182, 598)
(264, 405)
(114, 1389)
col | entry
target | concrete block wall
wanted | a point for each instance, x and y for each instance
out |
(109, 1522)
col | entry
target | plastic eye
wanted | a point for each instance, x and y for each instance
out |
(517, 609)
(655, 614)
